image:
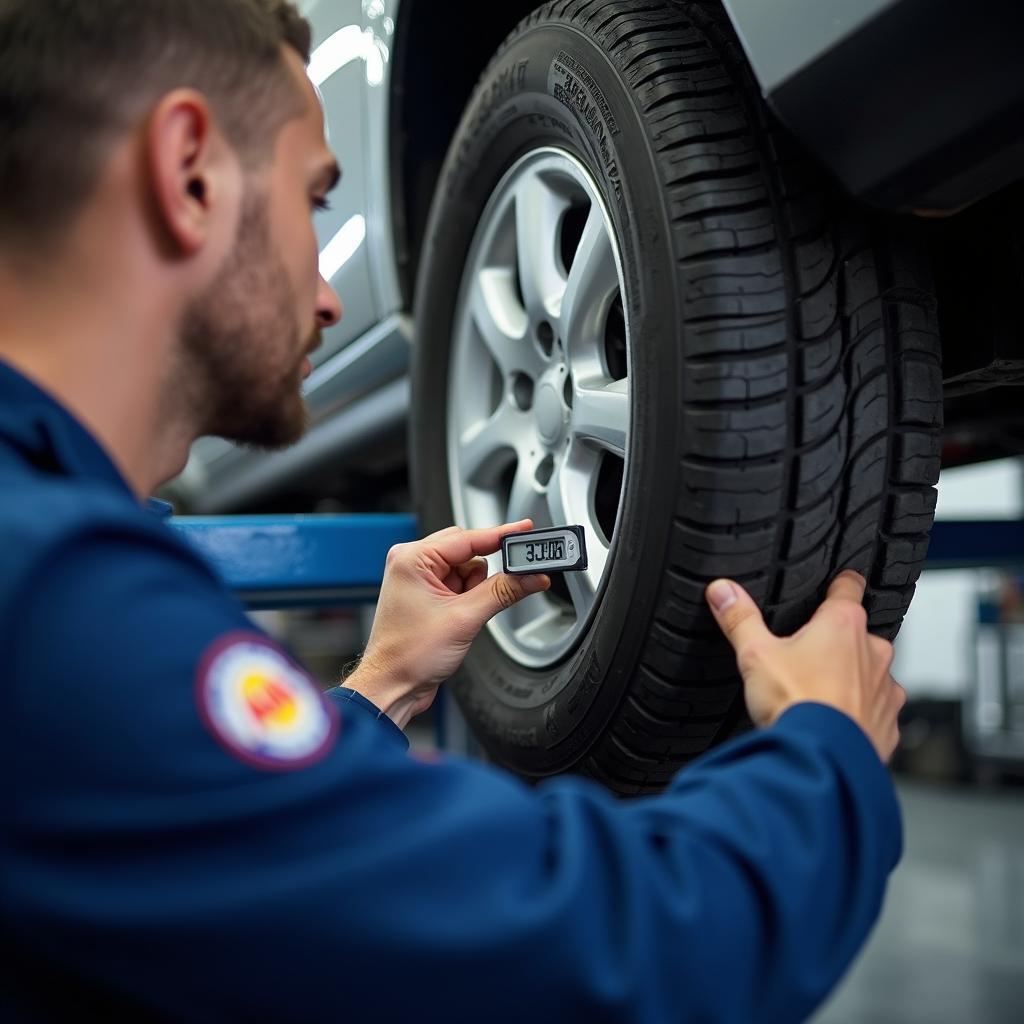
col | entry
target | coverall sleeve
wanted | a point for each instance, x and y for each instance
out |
(370, 885)
(355, 703)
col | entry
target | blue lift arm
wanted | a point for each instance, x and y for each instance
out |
(299, 561)
(293, 561)
(967, 544)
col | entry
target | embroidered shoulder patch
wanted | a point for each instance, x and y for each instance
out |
(260, 707)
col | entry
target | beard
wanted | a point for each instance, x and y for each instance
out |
(243, 356)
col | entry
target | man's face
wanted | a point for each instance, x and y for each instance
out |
(248, 336)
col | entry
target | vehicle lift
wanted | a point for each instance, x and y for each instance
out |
(274, 562)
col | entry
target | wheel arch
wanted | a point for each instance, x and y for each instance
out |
(428, 96)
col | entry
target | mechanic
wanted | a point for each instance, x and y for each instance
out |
(192, 830)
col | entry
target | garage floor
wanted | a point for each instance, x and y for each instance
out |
(950, 946)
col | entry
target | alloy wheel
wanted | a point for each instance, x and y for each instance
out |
(539, 389)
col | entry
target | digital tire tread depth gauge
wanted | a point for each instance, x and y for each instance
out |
(556, 549)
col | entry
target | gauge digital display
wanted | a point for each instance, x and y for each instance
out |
(536, 551)
(557, 549)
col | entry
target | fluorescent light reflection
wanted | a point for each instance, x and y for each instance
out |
(346, 45)
(342, 247)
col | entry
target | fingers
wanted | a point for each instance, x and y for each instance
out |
(473, 573)
(848, 586)
(882, 651)
(899, 695)
(895, 699)
(466, 576)
(456, 546)
(501, 591)
(737, 615)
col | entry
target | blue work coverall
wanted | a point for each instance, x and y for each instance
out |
(157, 861)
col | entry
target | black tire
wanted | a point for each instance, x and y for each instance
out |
(787, 389)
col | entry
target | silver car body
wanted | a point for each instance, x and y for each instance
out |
(359, 385)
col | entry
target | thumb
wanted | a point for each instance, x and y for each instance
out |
(736, 613)
(501, 591)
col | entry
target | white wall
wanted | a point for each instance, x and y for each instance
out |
(933, 650)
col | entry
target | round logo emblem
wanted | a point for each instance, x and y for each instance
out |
(260, 706)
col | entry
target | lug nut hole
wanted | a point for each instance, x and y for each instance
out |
(545, 337)
(522, 391)
(544, 470)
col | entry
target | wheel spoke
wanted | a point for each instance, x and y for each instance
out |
(484, 447)
(570, 502)
(571, 486)
(600, 415)
(543, 618)
(559, 497)
(583, 591)
(597, 555)
(502, 322)
(592, 284)
(526, 500)
(538, 213)
(578, 472)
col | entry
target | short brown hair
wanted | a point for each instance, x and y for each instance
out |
(74, 74)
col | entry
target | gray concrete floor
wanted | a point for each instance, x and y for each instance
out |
(949, 948)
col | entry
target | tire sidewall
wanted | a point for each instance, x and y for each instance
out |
(514, 111)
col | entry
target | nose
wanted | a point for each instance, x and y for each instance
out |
(328, 305)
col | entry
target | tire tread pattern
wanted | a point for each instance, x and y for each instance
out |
(812, 409)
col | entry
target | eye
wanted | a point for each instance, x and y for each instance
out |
(321, 203)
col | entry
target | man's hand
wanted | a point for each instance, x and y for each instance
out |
(832, 660)
(435, 598)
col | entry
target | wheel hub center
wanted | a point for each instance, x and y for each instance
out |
(550, 413)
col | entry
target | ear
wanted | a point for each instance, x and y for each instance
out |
(186, 158)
